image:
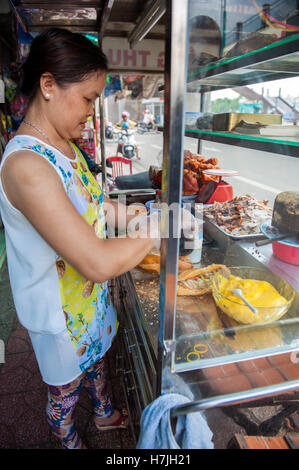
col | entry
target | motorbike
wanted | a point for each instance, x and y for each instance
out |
(109, 131)
(126, 144)
(142, 127)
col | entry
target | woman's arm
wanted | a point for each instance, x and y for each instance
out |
(34, 188)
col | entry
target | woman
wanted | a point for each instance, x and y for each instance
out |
(59, 259)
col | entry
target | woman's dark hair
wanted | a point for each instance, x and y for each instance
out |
(69, 57)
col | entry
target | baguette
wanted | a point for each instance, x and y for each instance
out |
(197, 272)
(187, 287)
(152, 268)
(151, 263)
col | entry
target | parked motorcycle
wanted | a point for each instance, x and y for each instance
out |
(127, 144)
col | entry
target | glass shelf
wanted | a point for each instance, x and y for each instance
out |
(283, 146)
(273, 62)
(198, 321)
(200, 324)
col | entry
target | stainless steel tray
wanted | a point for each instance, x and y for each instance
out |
(235, 237)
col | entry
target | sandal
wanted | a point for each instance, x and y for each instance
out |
(121, 423)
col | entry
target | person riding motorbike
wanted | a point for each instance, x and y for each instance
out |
(125, 125)
(148, 122)
(148, 119)
(125, 122)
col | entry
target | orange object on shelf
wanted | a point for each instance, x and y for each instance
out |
(222, 193)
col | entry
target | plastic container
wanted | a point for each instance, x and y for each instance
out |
(195, 255)
(286, 250)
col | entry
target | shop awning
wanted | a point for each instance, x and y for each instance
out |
(131, 19)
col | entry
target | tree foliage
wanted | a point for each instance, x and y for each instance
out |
(225, 105)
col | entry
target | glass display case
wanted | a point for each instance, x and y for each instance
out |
(230, 49)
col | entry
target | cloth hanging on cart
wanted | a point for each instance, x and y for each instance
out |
(192, 430)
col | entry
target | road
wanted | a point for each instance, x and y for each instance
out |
(149, 145)
(262, 174)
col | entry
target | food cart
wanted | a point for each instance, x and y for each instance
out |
(186, 343)
(180, 342)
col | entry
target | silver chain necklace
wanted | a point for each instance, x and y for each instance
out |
(45, 135)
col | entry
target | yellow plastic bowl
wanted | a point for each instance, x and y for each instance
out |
(238, 310)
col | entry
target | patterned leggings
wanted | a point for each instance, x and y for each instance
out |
(62, 400)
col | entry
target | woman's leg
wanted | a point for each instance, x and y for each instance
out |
(96, 386)
(60, 413)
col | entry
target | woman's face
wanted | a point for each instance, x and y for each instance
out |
(71, 106)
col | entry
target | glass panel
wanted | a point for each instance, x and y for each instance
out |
(225, 29)
(241, 111)
(206, 336)
(280, 63)
(242, 75)
(259, 115)
(134, 108)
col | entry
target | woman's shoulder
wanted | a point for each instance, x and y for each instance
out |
(29, 143)
(22, 161)
(21, 142)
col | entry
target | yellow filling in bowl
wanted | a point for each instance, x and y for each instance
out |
(260, 294)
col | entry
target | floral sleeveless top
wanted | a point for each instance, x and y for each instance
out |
(84, 307)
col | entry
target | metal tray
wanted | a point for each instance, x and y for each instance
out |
(235, 237)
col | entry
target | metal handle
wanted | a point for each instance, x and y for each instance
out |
(233, 398)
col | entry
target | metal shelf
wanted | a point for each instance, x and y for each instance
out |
(274, 62)
(282, 146)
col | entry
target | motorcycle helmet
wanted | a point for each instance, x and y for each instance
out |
(125, 125)
(125, 114)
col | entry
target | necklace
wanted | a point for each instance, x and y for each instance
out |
(45, 135)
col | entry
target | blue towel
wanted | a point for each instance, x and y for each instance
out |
(192, 430)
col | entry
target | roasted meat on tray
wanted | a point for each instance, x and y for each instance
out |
(194, 180)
